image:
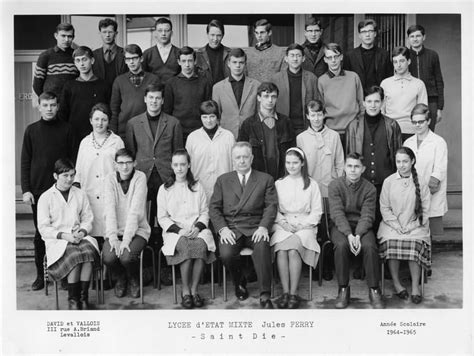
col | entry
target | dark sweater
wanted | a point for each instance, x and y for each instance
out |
(153, 63)
(183, 96)
(77, 100)
(217, 64)
(44, 142)
(352, 204)
(54, 68)
(425, 66)
(127, 101)
(296, 100)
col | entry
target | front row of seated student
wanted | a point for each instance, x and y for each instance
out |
(183, 214)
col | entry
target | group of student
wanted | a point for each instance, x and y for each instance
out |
(244, 148)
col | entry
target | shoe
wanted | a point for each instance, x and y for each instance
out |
(327, 275)
(121, 287)
(266, 303)
(197, 301)
(241, 292)
(416, 298)
(165, 276)
(343, 297)
(403, 294)
(38, 284)
(376, 298)
(282, 303)
(357, 274)
(84, 296)
(134, 288)
(187, 301)
(74, 290)
(294, 302)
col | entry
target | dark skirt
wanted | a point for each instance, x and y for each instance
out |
(411, 250)
(190, 249)
(73, 256)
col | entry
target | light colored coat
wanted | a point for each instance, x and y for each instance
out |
(210, 158)
(92, 167)
(178, 205)
(298, 207)
(324, 155)
(55, 215)
(233, 115)
(432, 161)
(125, 214)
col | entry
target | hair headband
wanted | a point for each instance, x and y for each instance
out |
(296, 149)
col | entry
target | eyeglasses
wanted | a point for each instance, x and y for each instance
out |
(313, 31)
(333, 58)
(365, 32)
(126, 163)
(132, 59)
(416, 123)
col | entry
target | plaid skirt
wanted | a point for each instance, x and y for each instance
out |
(190, 249)
(73, 256)
(411, 250)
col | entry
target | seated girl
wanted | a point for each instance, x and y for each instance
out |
(404, 232)
(183, 215)
(126, 227)
(295, 229)
(64, 221)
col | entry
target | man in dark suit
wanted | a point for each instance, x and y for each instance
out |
(109, 59)
(372, 63)
(243, 208)
(153, 137)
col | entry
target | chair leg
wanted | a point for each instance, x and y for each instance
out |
(159, 269)
(212, 281)
(57, 296)
(153, 257)
(175, 293)
(272, 291)
(310, 283)
(141, 278)
(422, 281)
(45, 274)
(382, 277)
(224, 282)
(102, 276)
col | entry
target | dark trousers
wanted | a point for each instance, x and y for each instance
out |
(342, 255)
(40, 248)
(261, 257)
(128, 261)
(433, 108)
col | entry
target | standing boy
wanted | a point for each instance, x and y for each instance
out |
(313, 47)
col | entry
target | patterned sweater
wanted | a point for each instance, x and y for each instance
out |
(261, 65)
(53, 68)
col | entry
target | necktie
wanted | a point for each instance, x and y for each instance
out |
(108, 56)
(243, 182)
(270, 122)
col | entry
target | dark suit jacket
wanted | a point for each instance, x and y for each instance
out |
(203, 63)
(98, 66)
(383, 65)
(154, 152)
(243, 212)
(317, 66)
(252, 132)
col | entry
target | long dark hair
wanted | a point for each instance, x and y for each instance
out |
(418, 208)
(298, 152)
(189, 175)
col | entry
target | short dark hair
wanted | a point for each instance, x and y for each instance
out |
(335, 47)
(264, 22)
(65, 26)
(63, 165)
(294, 46)
(101, 107)
(163, 20)
(414, 28)
(405, 52)
(373, 90)
(209, 107)
(47, 95)
(215, 23)
(312, 21)
(267, 87)
(82, 51)
(124, 152)
(155, 86)
(367, 22)
(357, 156)
(108, 22)
(237, 53)
(133, 49)
(185, 51)
(314, 105)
